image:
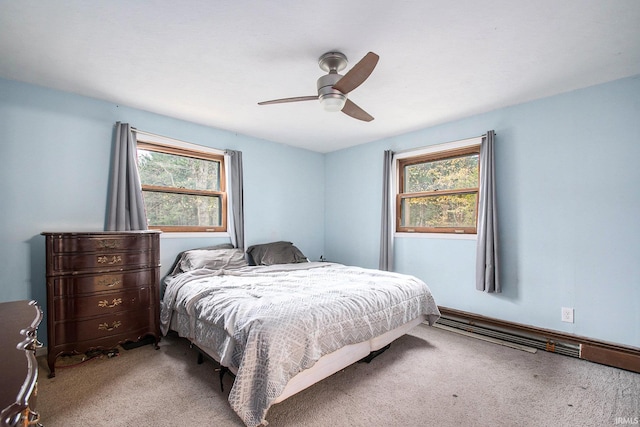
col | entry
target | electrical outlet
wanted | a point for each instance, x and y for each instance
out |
(567, 314)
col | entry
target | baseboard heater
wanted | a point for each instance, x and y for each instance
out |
(539, 343)
(606, 353)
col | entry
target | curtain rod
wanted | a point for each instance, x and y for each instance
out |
(440, 143)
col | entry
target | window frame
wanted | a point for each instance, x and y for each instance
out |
(196, 152)
(431, 154)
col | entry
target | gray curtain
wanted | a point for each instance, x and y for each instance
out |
(386, 229)
(126, 206)
(235, 203)
(487, 250)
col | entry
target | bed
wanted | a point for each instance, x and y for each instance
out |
(285, 323)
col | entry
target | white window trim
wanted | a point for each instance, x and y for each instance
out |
(463, 143)
(448, 236)
(159, 139)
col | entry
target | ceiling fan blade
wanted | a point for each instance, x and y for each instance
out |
(295, 99)
(351, 109)
(358, 74)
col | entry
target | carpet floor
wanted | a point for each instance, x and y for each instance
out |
(429, 377)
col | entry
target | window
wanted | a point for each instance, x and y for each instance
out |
(183, 188)
(438, 191)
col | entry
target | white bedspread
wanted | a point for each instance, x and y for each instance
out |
(267, 324)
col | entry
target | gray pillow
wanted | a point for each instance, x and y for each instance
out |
(175, 268)
(276, 253)
(215, 259)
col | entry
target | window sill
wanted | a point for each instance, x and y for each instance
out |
(196, 234)
(446, 236)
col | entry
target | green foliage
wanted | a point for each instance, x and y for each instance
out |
(169, 170)
(169, 209)
(439, 175)
(441, 210)
(180, 172)
(456, 210)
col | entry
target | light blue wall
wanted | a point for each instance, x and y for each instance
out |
(567, 194)
(569, 209)
(56, 147)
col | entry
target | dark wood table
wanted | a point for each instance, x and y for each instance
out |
(19, 322)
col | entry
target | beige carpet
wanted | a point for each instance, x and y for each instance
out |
(429, 377)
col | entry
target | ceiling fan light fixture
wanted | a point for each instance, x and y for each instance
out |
(333, 102)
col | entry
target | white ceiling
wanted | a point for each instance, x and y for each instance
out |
(210, 62)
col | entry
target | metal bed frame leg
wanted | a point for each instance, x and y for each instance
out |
(374, 354)
(223, 369)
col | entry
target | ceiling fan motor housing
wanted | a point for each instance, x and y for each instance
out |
(330, 98)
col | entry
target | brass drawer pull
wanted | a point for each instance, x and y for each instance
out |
(115, 259)
(105, 303)
(106, 327)
(106, 282)
(108, 244)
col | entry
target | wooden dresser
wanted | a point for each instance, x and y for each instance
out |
(102, 290)
(18, 366)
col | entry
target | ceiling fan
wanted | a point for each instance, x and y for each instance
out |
(333, 87)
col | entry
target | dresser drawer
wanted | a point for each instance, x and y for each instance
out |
(78, 285)
(102, 327)
(104, 303)
(65, 263)
(101, 243)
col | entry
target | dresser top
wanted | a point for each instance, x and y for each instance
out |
(97, 233)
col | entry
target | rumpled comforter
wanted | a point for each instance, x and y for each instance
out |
(267, 324)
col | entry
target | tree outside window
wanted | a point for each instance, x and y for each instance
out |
(183, 190)
(438, 192)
